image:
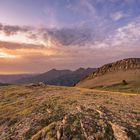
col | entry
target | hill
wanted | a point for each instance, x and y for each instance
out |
(64, 113)
(122, 75)
(9, 78)
(3, 84)
(58, 77)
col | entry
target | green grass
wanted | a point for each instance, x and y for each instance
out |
(130, 88)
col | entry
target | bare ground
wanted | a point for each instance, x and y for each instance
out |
(61, 113)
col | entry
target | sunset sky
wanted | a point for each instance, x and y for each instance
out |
(38, 35)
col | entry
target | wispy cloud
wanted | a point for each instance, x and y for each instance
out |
(51, 13)
(126, 35)
(118, 15)
(11, 30)
(85, 8)
(44, 36)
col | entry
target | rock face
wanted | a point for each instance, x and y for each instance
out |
(119, 71)
(125, 64)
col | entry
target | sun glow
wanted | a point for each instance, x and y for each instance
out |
(6, 55)
(23, 38)
(17, 38)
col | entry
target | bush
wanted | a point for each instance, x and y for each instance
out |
(124, 82)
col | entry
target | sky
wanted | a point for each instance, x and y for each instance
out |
(38, 35)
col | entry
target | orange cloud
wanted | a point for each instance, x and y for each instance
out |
(6, 55)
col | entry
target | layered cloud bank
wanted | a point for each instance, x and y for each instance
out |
(65, 48)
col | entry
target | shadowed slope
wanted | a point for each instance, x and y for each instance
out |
(59, 77)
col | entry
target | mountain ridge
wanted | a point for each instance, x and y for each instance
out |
(58, 77)
(114, 73)
(124, 64)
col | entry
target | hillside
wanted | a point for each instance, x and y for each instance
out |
(62, 113)
(3, 84)
(9, 78)
(58, 77)
(120, 74)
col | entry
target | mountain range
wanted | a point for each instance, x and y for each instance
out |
(58, 77)
(122, 74)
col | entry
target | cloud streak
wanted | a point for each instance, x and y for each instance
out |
(11, 30)
(76, 36)
(44, 36)
(118, 15)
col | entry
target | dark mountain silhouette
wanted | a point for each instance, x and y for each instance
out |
(72, 78)
(58, 77)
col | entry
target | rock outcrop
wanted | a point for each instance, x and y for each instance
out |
(125, 64)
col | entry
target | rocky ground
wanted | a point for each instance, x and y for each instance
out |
(61, 113)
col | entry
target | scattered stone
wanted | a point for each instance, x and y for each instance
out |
(49, 110)
(36, 84)
(119, 132)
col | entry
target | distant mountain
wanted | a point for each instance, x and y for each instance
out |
(58, 77)
(13, 77)
(3, 84)
(45, 77)
(122, 71)
(72, 78)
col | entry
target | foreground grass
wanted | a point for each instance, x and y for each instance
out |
(51, 112)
